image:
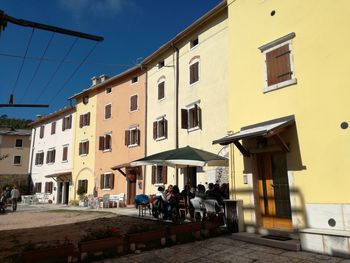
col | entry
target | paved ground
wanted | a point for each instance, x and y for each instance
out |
(218, 249)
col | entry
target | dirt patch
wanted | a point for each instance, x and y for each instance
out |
(17, 229)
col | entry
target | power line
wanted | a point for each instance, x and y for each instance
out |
(70, 61)
(38, 66)
(20, 70)
(74, 72)
(57, 69)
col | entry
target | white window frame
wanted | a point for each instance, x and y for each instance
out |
(64, 146)
(191, 41)
(108, 89)
(159, 119)
(134, 128)
(83, 141)
(134, 82)
(105, 112)
(137, 102)
(189, 107)
(50, 150)
(162, 79)
(20, 161)
(39, 152)
(158, 176)
(104, 181)
(272, 46)
(193, 61)
(104, 135)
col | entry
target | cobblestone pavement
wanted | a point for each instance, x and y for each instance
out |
(222, 249)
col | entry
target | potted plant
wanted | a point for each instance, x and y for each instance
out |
(141, 234)
(42, 252)
(82, 196)
(99, 240)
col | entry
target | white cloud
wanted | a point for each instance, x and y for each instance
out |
(97, 8)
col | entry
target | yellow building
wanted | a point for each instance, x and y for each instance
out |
(85, 142)
(289, 116)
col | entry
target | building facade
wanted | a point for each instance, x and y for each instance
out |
(51, 159)
(187, 90)
(14, 158)
(288, 98)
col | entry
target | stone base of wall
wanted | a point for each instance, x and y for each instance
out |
(22, 181)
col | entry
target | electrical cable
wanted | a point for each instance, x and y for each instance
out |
(20, 70)
(37, 67)
(73, 73)
(57, 69)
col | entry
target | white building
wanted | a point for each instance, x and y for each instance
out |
(51, 153)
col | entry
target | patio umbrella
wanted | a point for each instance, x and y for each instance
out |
(183, 157)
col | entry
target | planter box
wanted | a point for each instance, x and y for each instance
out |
(44, 254)
(209, 225)
(193, 228)
(100, 245)
(144, 237)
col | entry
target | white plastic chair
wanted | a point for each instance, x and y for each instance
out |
(212, 206)
(105, 201)
(198, 207)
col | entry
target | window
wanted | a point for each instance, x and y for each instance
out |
(19, 143)
(161, 64)
(134, 80)
(84, 120)
(278, 61)
(191, 117)
(160, 129)
(53, 127)
(67, 123)
(37, 187)
(39, 158)
(107, 181)
(83, 184)
(42, 129)
(48, 187)
(105, 142)
(133, 103)
(194, 42)
(159, 174)
(161, 93)
(17, 160)
(84, 148)
(108, 111)
(86, 99)
(109, 90)
(132, 137)
(194, 70)
(50, 156)
(65, 153)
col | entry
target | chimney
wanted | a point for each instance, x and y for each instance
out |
(38, 116)
(94, 80)
(103, 78)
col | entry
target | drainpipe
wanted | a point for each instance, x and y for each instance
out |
(145, 125)
(176, 106)
(31, 161)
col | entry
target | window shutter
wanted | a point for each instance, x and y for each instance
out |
(69, 122)
(138, 136)
(278, 65)
(165, 128)
(65, 154)
(88, 119)
(80, 148)
(164, 174)
(161, 90)
(191, 74)
(184, 119)
(112, 181)
(86, 185)
(53, 155)
(154, 174)
(127, 137)
(53, 127)
(87, 147)
(196, 71)
(47, 157)
(63, 124)
(41, 131)
(154, 130)
(108, 141)
(102, 177)
(81, 119)
(101, 143)
(36, 158)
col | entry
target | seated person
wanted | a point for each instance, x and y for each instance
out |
(215, 194)
(141, 199)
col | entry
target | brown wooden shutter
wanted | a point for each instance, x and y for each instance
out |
(63, 124)
(191, 74)
(86, 185)
(138, 138)
(65, 154)
(87, 147)
(101, 143)
(53, 155)
(81, 119)
(53, 127)
(165, 128)
(42, 131)
(164, 174)
(88, 119)
(196, 71)
(108, 141)
(47, 157)
(112, 181)
(278, 65)
(80, 148)
(154, 130)
(184, 119)
(102, 181)
(161, 90)
(154, 170)
(127, 137)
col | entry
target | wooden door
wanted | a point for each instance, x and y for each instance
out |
(274, 194)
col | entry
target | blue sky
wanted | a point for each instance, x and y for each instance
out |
(132, 30)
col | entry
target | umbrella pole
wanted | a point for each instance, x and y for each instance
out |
(188, 191)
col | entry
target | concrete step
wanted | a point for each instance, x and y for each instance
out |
(292, 244)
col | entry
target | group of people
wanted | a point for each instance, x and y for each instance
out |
(167, 201)
(7, 194)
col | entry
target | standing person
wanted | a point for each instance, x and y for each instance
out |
(14, 197)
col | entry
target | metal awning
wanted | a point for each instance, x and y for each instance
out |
(62, 176)
(123, 165)
(265, 129)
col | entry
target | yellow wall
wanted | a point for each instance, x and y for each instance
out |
(84, 166)
(319, 100)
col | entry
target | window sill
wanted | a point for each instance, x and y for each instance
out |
(39, 164)
(106, 189)
(82, 155)
(131, 111)
(107, 150)
(194, 83)
(19, 148)
(160, 100)
(158, 184)
(193, 129)
(280, 85)
(132, 145)
(160, 139)
(65, 161)
(50, 163)
(17, 164)
(106, 119)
